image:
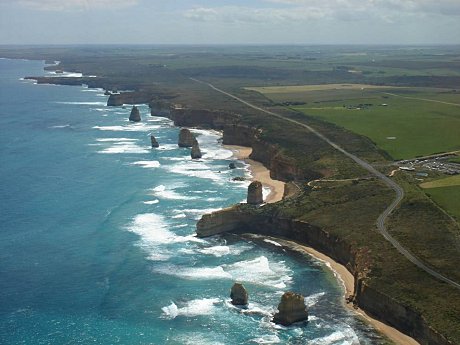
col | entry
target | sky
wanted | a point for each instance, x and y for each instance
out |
(230, 22)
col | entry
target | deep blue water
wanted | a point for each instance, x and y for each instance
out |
(96, 233)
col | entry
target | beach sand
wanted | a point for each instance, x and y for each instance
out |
(259, 173)
(262, 174)
(347, 279)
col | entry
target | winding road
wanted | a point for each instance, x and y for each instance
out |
(389, 182)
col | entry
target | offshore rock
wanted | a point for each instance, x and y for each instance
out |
(239, 295)
(291, 309)
(255, 196)
(135, 116)
(196, 152)
(154, 141)
(186, 138)
(232, 165)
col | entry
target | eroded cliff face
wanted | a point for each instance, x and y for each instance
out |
(201, 118)
(281, 167)
(160, 108)
(246, 220)
(118, 99)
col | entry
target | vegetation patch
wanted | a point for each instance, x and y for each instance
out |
(444, 182)
(448, 198)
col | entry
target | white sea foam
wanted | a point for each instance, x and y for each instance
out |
(115, 139)
(194, 273)
(197, 169)
(273, 242)
(124, 147)
(311, 300)
(215, 199)
(197, 339)
(257, 271)
(261, 271)
(217, 251)
(147, 164)
(196, 213)
(151, 202)
(196, 307)
(81, 103)
(61, 126)
(152, 228)
(154, 233)
(267, 339)
(180, 215)
(131, 127)
(169, 147)
(344, 336)
(168, 193)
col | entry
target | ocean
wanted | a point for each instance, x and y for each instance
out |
(97, 232)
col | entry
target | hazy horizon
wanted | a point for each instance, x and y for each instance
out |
(207, 22)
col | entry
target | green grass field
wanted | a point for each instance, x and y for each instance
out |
(443, 182)
(448, 198)
(405, 122)
(446, 193)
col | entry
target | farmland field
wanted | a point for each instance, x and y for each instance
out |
(448, 198)
(404, 122)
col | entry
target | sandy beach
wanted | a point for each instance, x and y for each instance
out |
(262, 174)
(348, 282)
(259, 173)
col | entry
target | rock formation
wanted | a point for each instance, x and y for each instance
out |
(186, 138)
(255, 196)
(239, 295)
(232, 165)
(291, 309)
(135, 116)
(196, 152)
(154, 141)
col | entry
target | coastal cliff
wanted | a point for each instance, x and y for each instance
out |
(247, 219)
(281, 166)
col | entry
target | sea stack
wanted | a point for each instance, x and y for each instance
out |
(154, 141)
(232, 165)
(239, 295)
(135, 116)
(255, 196)
(291, 309)
(186, 138)
(196, 152)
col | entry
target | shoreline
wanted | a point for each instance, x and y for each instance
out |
(346, 279)
(341, 273)
(259, 172)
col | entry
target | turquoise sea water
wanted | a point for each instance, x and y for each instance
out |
(97, 233)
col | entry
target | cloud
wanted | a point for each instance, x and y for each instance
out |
(276, 11)
(74, 5)
(235, 14)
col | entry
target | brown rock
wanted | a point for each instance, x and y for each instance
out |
(255, 196)
(186, 138)
(291, 309)
(135, 115)
(154, 141)
(239, 295)
(195, 153)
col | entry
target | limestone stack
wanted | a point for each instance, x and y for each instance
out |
(186, 138)
(291, 309)
(195, 153)
(238, 294)
(154, 141)
(135, 116)
(255, 196)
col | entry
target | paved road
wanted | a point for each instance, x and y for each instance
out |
(389, 182)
